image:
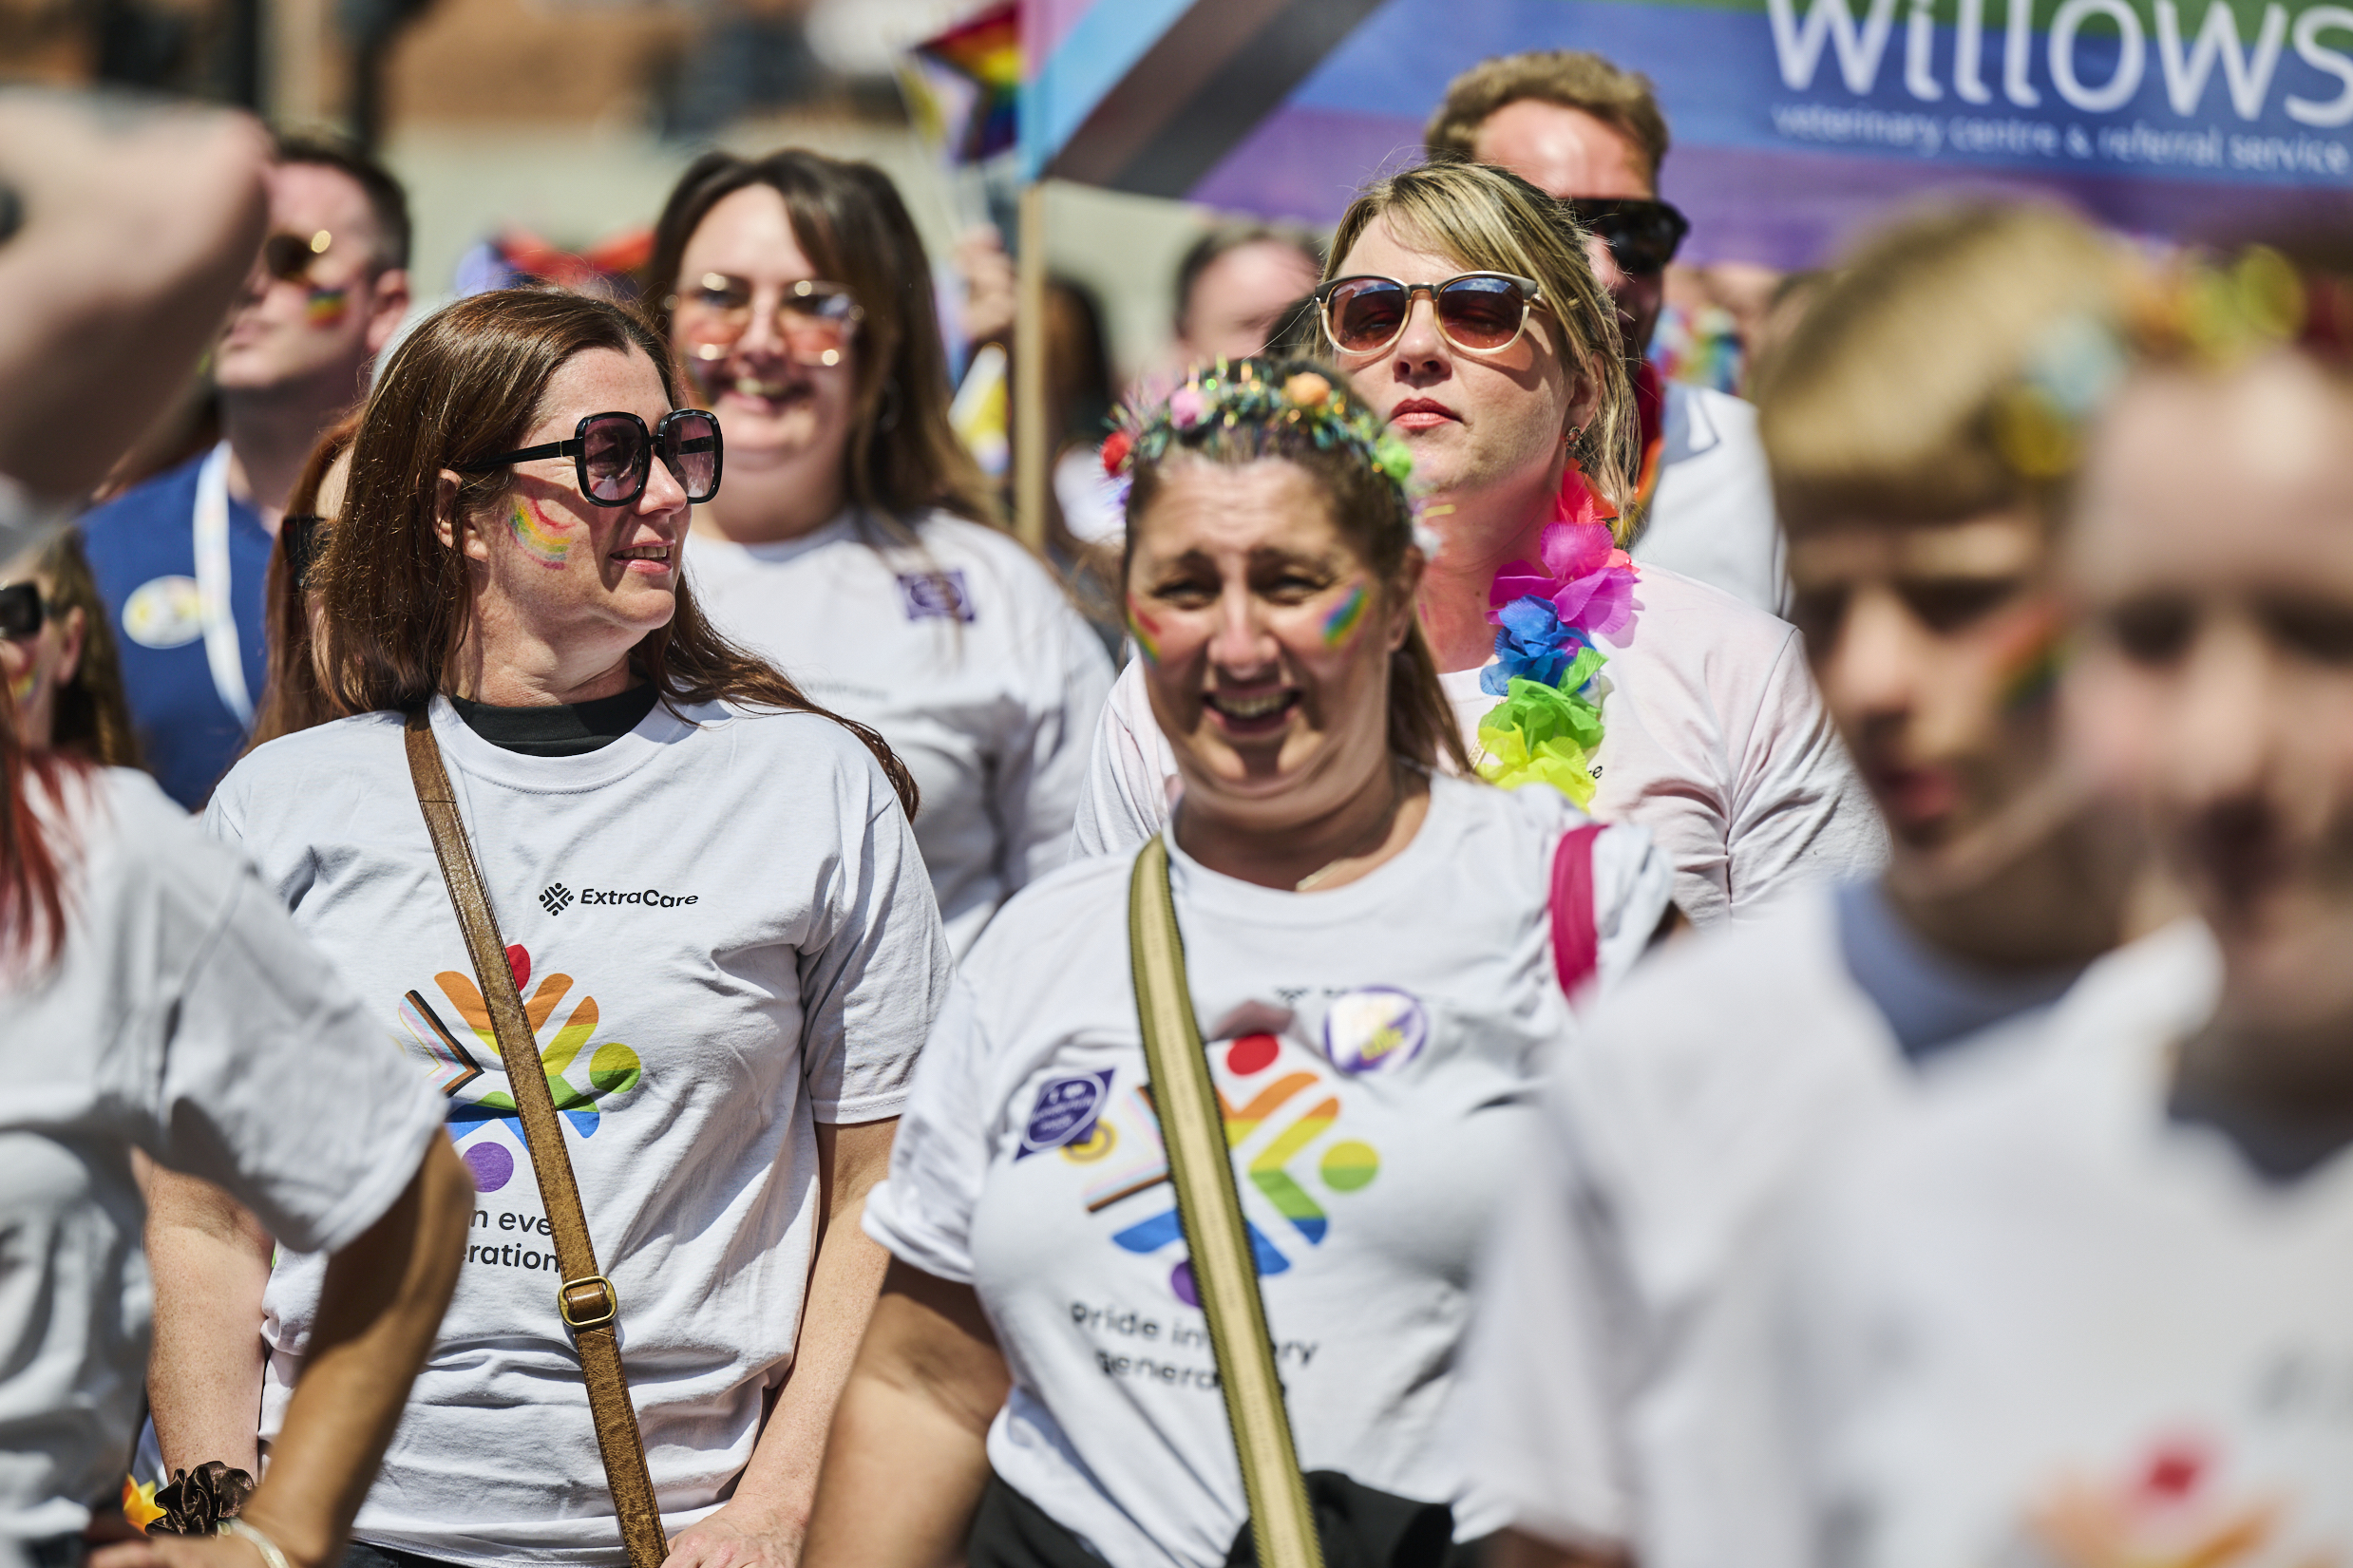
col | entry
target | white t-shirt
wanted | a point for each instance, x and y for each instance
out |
(1621, 1389)
(1713, 516)
(187, 1017)
(723, 937)
(1376, 1046)
(971, 662)
(2039, 1320)
(1713, 738)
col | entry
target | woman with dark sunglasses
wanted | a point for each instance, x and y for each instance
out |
(712, 906)
(293, 694)
(57, 655)
(852, 545)
(1460, 302)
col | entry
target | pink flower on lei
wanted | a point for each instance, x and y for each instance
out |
(1588, 578)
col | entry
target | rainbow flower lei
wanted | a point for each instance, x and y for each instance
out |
(1550, 723)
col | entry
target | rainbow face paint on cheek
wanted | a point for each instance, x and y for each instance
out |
(1145, 631)
(328, 307)
(542, 540)
(1346, 617)
(21, 688)
(2031, 661)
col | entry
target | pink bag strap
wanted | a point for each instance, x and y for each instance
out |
(1576, 942)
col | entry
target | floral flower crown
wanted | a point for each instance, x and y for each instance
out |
(1233, 393)
(2204, 312)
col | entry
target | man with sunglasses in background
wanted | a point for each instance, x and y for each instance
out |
(181, 559)
(1576, 127)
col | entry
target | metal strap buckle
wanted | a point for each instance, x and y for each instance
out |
(606, 1294)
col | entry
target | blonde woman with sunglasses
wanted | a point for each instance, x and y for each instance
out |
(1460, 302)
(853, 545)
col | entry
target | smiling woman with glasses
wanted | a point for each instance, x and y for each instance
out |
(1461, 302)
(852, 543)
(58, 658)
(717, 938)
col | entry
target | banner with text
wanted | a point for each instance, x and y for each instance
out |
(1796, 120)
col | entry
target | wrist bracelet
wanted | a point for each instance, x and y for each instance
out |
(267, 1548)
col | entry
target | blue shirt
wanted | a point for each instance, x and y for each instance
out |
(142, 546)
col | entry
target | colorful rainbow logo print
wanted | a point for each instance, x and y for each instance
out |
(1297, 1109)
(457, 1062)
(2174, 1509)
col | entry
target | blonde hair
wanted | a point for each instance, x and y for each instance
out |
(1882, 401)
(1573, 78)
(1489, 219)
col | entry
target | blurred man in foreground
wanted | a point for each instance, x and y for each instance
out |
(1623, 1399)
(1584, 130)
(2116, 1272)
(181, 558)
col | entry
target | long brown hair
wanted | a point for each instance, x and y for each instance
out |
(292, 697)
(1368, 507)
(462, 387)
(903, 458)
(36, 859)
(91, 716)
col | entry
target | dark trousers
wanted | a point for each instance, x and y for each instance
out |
(1358, 1528)
(54, 1552)
(360, 1555)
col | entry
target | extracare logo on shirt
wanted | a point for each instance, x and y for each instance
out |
(555, 897)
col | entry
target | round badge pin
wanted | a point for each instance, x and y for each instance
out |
(163, 612)
(1376, 1029)
(1064, 1112)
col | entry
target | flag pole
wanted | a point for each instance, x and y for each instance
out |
(1033, 441)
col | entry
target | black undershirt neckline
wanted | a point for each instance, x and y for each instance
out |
(559, 729)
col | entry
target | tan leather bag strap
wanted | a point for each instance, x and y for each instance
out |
(585, 1299)
(1201, 1167)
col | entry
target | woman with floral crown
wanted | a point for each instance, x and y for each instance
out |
(1460, 303)
(1376, 950)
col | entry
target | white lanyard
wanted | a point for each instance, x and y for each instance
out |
(212, 586)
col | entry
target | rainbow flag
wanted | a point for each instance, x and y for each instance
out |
(985, 49)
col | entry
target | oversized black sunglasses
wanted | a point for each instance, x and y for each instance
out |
(20, 610)
(288, 257)
(305, 535)
(1481, 312)
(614, 454)
(1642, 235)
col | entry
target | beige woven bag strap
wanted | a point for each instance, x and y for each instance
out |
(1201, 1167)
(585, 1299)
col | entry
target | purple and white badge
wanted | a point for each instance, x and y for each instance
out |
(1376, 1029)
(1065, 1111)
(934, 596)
